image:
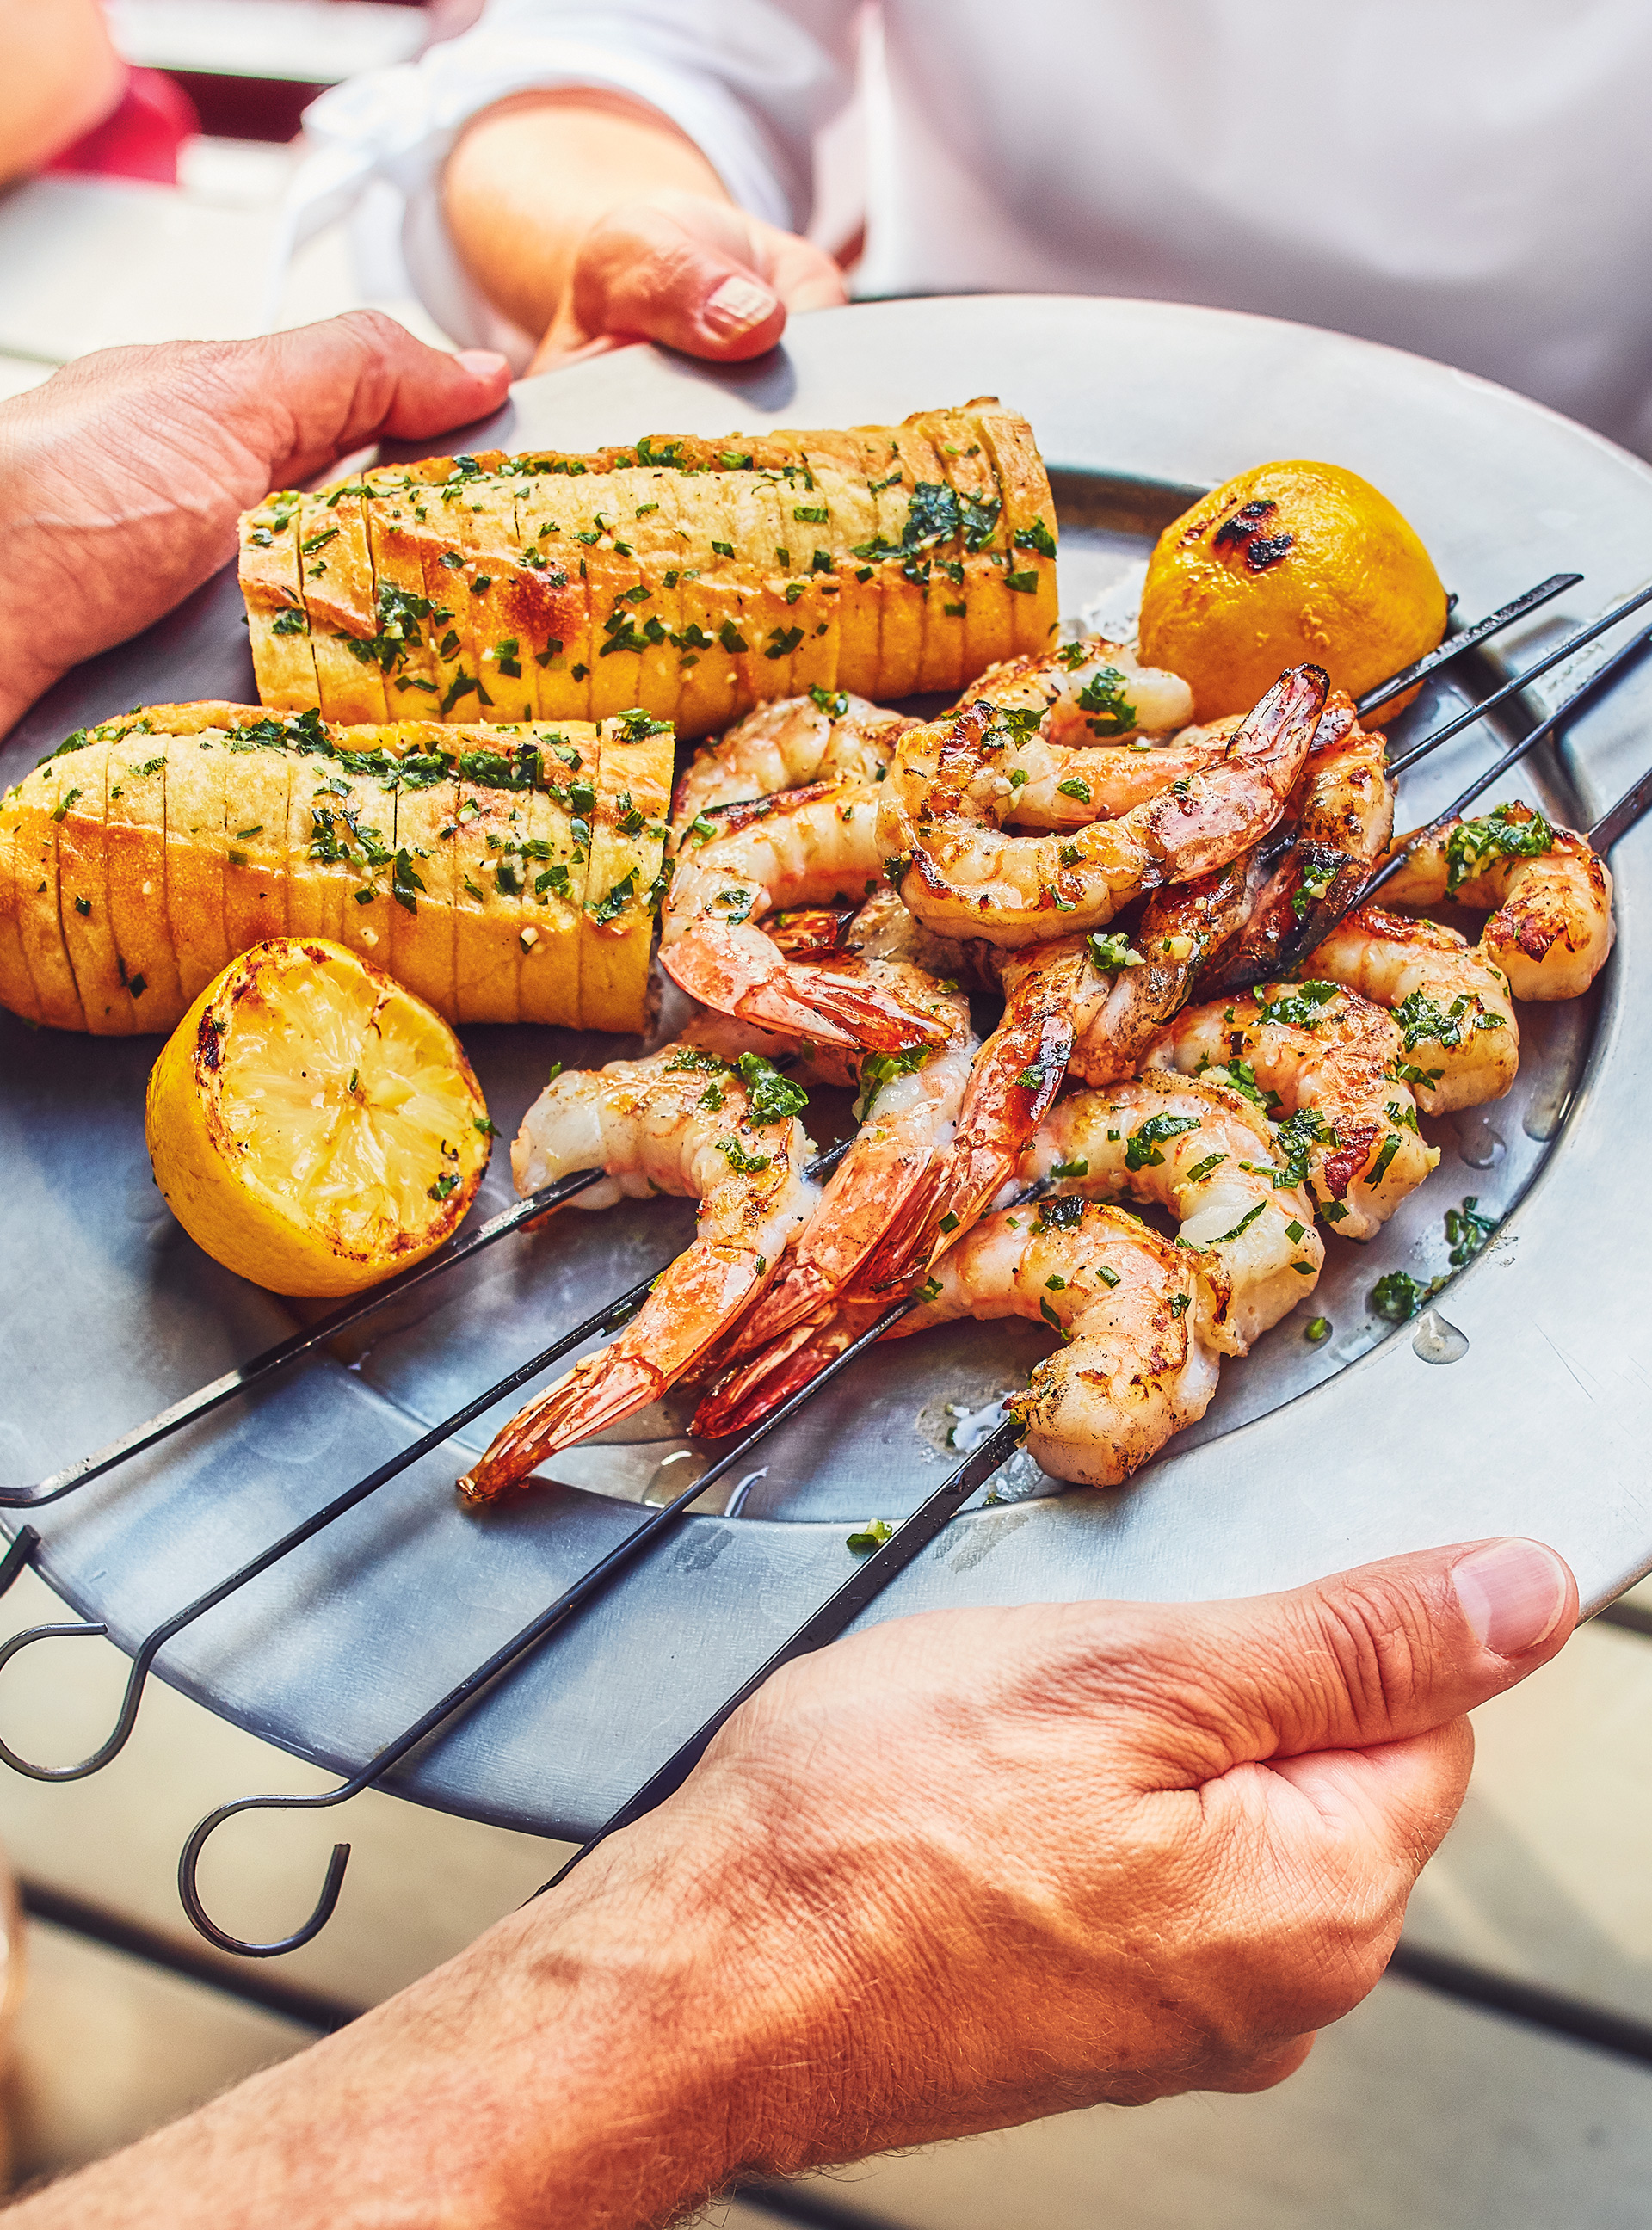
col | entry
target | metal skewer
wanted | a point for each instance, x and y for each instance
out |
(1455, 645)
(608, 1318)
(887, 1562)
(245, 1376)
(459, 1698)
(1533, 672)
(1601, 678)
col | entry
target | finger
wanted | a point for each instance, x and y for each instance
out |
(1374, 1655)
(1393, 1648)
(350, 380)
(1393, 1802)
(644, 274)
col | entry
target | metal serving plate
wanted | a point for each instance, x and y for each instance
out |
(1312, 1457)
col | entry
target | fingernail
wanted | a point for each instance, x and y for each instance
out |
(482, 363)
(738, 305)
(1513, 1593)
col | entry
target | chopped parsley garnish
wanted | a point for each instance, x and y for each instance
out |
(1141, 1148)
(445, 1183)
(1467, 1232)
(833, 703)
(1200, 1170)
(1295, 1134)
(1473, 846)
(1037, 537)
(405, 881)
(1180, 1304)
(1423, 1021)
(1390, 1147)
(878, 1069)
(1075, 786)
(736, 1157)
(1242, 1226)
(773, 1098)
(620, 895)
(1299, 1005)
(1080, 1168)
(1111, 952)
(1397, 1297)
(1103, 697)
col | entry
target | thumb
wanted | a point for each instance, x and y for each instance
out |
(1383, 1653)
(350, 380)
(644, 274)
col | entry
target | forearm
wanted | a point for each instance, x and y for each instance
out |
(600, 2058)
(531, 176)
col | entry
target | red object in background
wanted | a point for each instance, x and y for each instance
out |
(141, 137)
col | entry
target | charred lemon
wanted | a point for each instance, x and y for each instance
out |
(314, 1125)
(1289, 564)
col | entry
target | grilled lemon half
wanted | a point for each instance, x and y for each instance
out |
(312, 1126)
(1289, 563)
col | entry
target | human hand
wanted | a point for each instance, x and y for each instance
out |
(957, 1873)
(692, 273)
(1007, 1863)
(122, 477)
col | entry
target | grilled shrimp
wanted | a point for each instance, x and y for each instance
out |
(1154, 968)
(780, 746)
(962, 872)
(1553, 927)
(1087, 693)
(798, 848)
(1332, 1065)
(1208, 1155)
(1336, 828)
(678, 1122)
(908, 1108)
(1461, 1043)
(1137, 1315)
(1052, 996)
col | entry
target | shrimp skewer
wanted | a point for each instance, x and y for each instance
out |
(1551, 928)
(782, 745)
(962, 872)
(678, 1122)
(797, 848)
(1137, 1313)
(1333, 1065)
(1209, 1156)
(1460, 1041)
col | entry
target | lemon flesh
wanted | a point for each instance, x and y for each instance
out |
(314, 1125)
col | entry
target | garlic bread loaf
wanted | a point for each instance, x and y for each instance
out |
(694, 578)
(506, 873)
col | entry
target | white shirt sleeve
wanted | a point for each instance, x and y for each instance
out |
(750, 81)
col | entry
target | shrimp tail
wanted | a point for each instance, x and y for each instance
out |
(689, 1311)
(755, 1389)
(597, 1392)
(740, 971)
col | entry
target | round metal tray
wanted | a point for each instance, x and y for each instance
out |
(1312, 1457)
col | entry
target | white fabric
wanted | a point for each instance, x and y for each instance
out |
(1467, 179)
